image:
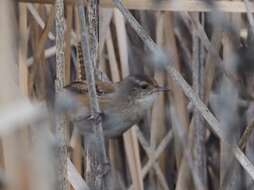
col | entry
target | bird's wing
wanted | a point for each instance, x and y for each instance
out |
(81, 87)
(79, 90)
(104, 88)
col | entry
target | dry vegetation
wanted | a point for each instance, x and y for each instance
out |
(198, 136)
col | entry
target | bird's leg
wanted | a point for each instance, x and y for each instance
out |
(105, 169)
(96, 117)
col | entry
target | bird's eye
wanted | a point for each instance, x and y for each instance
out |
(144, 86)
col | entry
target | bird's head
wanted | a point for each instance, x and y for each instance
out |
(140, 87)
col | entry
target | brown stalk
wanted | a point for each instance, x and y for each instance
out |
(164, 143)
(150, 151)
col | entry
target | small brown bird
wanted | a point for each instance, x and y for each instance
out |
(123, 104)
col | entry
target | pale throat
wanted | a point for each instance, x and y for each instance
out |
(147, 101)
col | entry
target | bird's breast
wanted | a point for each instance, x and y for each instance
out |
(115, 124)
(118, 120)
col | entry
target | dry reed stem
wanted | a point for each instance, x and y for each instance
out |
(49, 52)
(210, 65)
(23, 48)
(164, 143)
(114, 70)
(75, 178)
(121, 41)
(158, 117)
(133, 157)
(150, 151)
(23, 70)
(76, 140)
(180, 102)
(69, 12)
(177, 98)
(115, 76)
(38, 19)
(95, 169)
(207, 44)
(104, 23)
(44, 35)
(183, 46)
(199, 131)
(61, 123)
(187, 154)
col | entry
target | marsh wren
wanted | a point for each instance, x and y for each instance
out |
(123, 104)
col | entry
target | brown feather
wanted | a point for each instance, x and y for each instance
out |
(79, 89)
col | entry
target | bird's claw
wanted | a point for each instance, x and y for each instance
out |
(96, 117)
(106, 167)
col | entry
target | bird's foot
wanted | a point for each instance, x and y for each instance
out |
(96, 117)
(105, 169)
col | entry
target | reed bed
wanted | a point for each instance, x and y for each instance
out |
(197, 136)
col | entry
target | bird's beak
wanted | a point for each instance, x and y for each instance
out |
(162, 89)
